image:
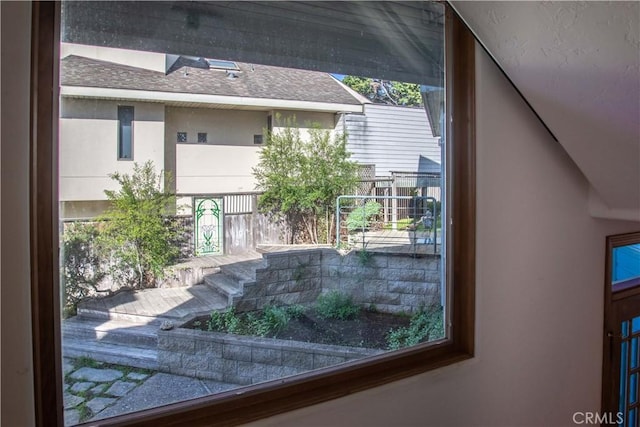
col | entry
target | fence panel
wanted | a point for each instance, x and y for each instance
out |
(402, 224)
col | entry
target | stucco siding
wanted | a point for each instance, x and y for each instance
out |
(89, 144)
(141, 59)
(209, 168)
(223, 127)
(393, 138)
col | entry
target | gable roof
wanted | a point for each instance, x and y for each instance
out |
(254, 81)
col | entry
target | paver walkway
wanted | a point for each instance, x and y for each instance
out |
(100, 390)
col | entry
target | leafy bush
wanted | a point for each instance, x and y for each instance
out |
(424, 326)
(336, 305)
(268, 322)
(225, 321)
(301, 177)
(361, 216)
(81, 266)
(138, 233)
(272, 320)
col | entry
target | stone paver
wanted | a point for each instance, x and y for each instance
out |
(99, 389)
(120, 388)
(136, 376)
(81, 386)
(96, 375)
(71, 401)
(97, 404)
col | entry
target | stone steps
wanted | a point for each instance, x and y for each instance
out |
(111, 331)
(111, 341)
(229, 287)
(232, 278)
(243, 271)
(137, 357)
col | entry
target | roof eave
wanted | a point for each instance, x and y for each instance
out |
(195, 98)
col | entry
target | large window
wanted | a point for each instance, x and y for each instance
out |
(393, 52)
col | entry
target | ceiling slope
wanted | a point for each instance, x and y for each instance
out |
(578, 66)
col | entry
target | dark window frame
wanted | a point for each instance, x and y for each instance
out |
(262, 400)
(122, 109)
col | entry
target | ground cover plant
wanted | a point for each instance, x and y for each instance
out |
(334, 319)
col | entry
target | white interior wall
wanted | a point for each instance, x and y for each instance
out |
(539, 287)
(16, 375)
(577, 64)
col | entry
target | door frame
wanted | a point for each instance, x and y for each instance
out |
(618, 306)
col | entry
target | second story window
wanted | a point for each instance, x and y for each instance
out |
(125, 133)
(202, 137)
(182, 137)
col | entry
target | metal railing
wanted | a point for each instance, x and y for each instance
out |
(402, 224)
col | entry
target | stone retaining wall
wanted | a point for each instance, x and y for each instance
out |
(392, 282)
(245, 360)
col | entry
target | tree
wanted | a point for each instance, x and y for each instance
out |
(386, 91)
(138, 235)
(301, 178)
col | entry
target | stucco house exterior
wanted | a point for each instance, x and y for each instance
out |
(200, 119)
(203, 119)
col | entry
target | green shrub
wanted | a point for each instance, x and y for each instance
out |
(139, 234)
(268, 322)
(225, 321)
(424, 326)
(272, 320)
(295, 311)
(81, 264)
(361, 216)
(336, 305)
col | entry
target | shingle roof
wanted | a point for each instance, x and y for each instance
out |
(255, 81)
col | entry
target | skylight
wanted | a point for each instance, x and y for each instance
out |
(222, 65)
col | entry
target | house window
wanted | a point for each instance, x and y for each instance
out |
(182, 137)
(315, 386)
(257, 139)
(202, 137)
(125, 133)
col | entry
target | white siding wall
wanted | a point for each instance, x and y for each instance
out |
(89, 144)
(393, 138)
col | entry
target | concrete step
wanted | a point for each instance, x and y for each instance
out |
(227, 286)
(90, 313)
(137, 357)
(111, 331)
(243, 271)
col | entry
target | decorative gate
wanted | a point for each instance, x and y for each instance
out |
(209, 233)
